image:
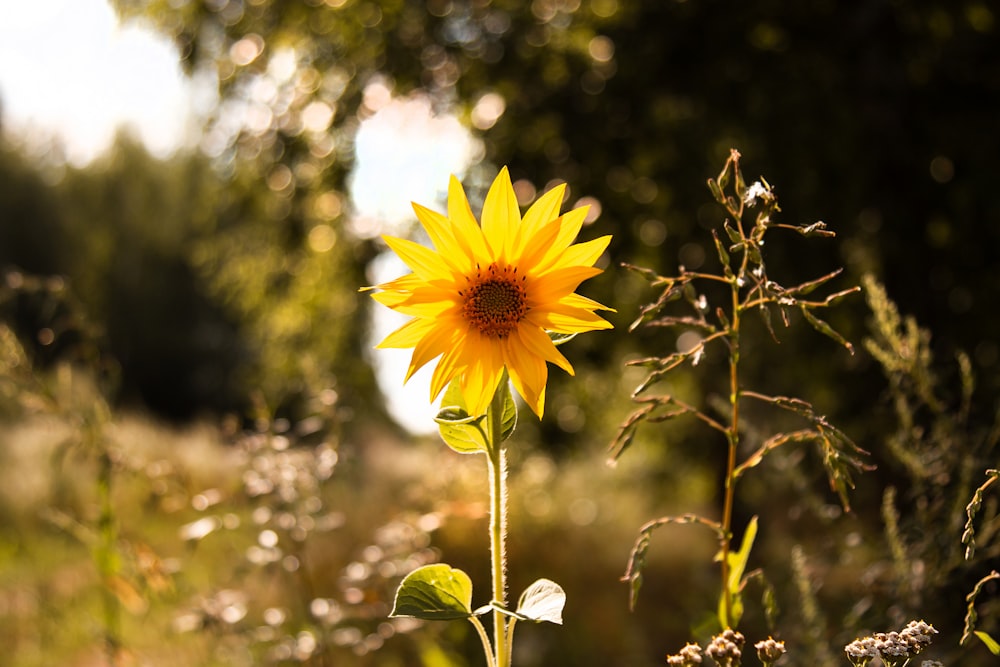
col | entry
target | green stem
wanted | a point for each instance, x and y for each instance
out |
(106, 557)
(510, 636)
(733, 438)
(733, 432)
(498, 521)
(481, 631)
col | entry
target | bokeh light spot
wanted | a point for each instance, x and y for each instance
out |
(601, 49)
(942, 169)
(487, 111)
(317, 116)
(595, 210)
(322, 238)
(525, 191)
(246, 50)
(604, 8)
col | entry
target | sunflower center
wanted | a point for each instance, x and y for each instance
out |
(495, 301)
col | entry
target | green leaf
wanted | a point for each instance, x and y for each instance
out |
(991, 643)
(741, 186)
(461, 431)
(716, 191)
(509, 412)
(724, 177)
(737, 566)
(733, 234)
(470, 434)
(825, 329)
(723, 255)
(542, 601)
(434, 592)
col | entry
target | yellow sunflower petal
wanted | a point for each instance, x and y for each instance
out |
(571, 222)
(580, 301)
(425, 310)
(438, 228)
(538, 343)
(446, 370)
(481, 378)
(406, 283)
(439, 337)
(407, 335)
(422, 260)
(583, 254)
(542, 212)
(501, 216)
(391, 299)
(537, 247)
(557, 284)
(467, 230)
(427, 301)
(528, 373)
(565, 319)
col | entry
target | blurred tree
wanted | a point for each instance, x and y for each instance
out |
(188, 281)
(30, 216)
(130, 220)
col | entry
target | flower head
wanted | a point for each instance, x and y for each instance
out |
(485, 297)
(726, 648)
(689, 656)
(769, 650)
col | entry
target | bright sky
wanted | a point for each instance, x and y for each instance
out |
(67, 68)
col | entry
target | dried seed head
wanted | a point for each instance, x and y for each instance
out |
(769, 650)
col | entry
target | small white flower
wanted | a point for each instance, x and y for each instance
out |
(753, 192)
(863, 648)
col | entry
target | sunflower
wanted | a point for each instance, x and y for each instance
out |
(485, 299)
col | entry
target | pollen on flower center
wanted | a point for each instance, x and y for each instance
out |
(495, 300)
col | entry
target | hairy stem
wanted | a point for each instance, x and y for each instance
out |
(498, 522)
(481, 631)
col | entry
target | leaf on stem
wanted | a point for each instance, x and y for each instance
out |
(737, 566)
(509, 414)
(990, 643)
(969, 533)
(733, 234)
(825, 329)
(716, 189)
(465, 433)
(723, 256)
(637, 559)
(809, 286)
(436, 592)
(542, 601)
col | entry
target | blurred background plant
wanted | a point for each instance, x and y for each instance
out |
(223, 278)
(707, 309)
